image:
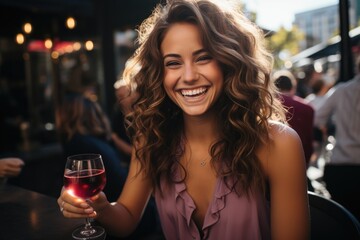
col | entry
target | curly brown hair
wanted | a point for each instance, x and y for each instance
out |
(245, 106)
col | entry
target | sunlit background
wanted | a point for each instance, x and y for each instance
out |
(299, 25)
(41, 44)
(281, 13)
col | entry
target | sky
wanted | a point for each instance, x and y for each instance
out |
(272, 14)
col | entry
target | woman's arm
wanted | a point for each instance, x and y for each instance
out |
(286, 171)
(122, 217)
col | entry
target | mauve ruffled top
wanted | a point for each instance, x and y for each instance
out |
(229, 216)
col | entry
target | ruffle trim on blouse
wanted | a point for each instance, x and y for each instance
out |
(184, 203)
(224, 187)
(186, 206)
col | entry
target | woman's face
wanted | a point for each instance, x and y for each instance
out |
(192, 77)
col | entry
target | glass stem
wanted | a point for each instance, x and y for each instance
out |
(87, 224)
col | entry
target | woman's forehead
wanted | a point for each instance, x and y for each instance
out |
(181, 36)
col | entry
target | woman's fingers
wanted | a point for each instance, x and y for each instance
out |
(71, 211)
(73, 207)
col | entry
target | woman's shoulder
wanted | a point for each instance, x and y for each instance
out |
(284, 148)
(283, 139)
(279, 131)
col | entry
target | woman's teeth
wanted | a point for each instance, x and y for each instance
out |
(193, 92)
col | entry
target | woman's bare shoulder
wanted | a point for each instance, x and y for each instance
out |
(284, 148)
(278, 132)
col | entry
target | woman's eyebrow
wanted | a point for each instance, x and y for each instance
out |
(197, 52)
(200, 51)
(171, 55)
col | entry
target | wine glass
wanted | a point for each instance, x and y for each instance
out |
(85, 177)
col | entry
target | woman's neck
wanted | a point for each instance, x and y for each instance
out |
(201, 128)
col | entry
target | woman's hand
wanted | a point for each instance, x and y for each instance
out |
(74, 207)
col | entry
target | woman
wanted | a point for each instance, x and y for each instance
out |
(205, 141)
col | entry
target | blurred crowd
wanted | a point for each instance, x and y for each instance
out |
(325, 112)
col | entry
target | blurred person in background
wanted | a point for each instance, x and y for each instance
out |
(126, 96)
(299, 114)
(10, 133)
(316, 99)
(10, 119)
(84, 127)
(10, 167)
(304, 80)
(341, 173)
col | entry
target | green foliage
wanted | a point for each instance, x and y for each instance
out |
(283, 44)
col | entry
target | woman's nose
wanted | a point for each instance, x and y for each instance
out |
(190, 73)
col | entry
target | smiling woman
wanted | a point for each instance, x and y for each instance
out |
(207, 133)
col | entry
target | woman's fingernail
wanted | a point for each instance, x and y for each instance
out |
(89, 210)
(84, 205)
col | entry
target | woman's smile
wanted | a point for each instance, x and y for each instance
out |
(193, 79)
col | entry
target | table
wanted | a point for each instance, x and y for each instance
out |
(44, 162)
(28, 215)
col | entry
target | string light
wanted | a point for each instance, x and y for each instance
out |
(70, 23)
(20, 39)
(27, 28)
(55, 55)
(77, 46)
(48, 43)
(89, 45)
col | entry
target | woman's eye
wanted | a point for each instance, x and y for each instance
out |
(171, 63)
(204, 58)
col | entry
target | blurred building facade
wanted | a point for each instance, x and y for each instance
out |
(321, 24)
